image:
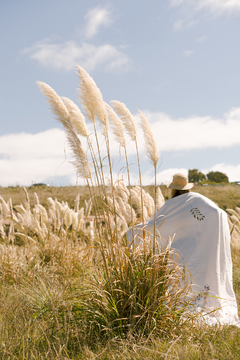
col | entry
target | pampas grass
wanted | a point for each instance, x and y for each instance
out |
(77, 119)
(62, 114)
(128, 290)
(160, 201)
(150, 142)
(117, 126)
(91, 100)
(153, 154)
(56, 103)
(234, 224)
(127, 118)
(130, 126)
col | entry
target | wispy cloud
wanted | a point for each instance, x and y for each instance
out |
(178, 25)
(183, 24)
(96, 18)
(201, 38)
(65, 56)
(216, 7)
(188, 53)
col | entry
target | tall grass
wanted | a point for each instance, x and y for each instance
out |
(71, 285)
(134, 279)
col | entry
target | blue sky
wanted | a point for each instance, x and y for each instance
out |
(176, 60)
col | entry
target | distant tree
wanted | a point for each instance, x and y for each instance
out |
(195, 176)
(217, 176)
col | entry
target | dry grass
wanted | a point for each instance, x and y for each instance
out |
(57, 303)
(227, 196)
(67, 194)
(70, 292)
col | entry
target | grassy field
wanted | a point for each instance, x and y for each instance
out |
(227, 196)
(52, 292)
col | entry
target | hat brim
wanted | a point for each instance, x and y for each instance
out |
(179, 187)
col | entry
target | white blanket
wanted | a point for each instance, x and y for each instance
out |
(202, 237)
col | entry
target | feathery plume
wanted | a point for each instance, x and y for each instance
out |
(81, 214)
(60, 110)
(131, 214)
(149, 203)
(238, 210)
(91, 99)
(36, 199)
(77, 119)
(126, 117)
(77, 201)
(117, 126)
(27, 202)
(68, 218)
(153, 154)
(123, 191)
(150, 143)
(160, 201)
(43, 212)
(88, 207)
(56, 103)
(136, 200)
(51, 203)
(74, 220)
(5, 207)
(80, 163)
(20, 208)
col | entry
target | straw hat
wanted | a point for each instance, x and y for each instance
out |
(180, 182)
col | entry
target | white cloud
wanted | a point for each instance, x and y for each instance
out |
(219, 5)
(181, 24)
(215, 7)
(165, 176)
(195, 132)
(178, 25)
(96, 18)
(27, 158)
(176, 2)
(232, 171)
(188, 53)
(67, 55)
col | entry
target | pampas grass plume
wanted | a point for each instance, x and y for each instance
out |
(77, 119)
(117, 126)
(123, 190)
(160, 201)
(81, 163)
(91, 99)
(60, 110)
(56, 103)
(150, 143)
(126, 117)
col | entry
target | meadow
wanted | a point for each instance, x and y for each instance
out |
(227, 196)
(72, 286)
(55, 304)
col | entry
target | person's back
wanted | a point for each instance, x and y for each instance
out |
(202, 240)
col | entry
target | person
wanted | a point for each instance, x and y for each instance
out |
(199, 232)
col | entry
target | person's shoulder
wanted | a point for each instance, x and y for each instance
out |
(205, 200)
(195, 195)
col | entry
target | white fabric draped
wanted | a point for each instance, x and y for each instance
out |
(202, 237)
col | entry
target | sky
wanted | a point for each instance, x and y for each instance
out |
(175, 60)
